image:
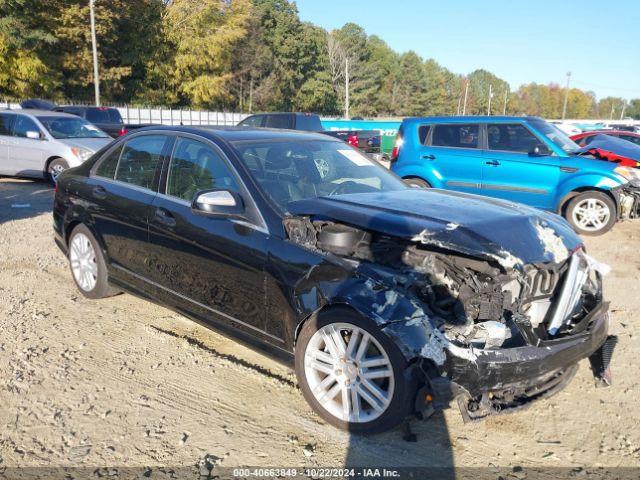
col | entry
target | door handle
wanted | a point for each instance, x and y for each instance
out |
(164, 216)
(493, 163)
(429, 156)
(99, 192)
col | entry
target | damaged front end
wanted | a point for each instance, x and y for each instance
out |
(488, 331)
(628, 197)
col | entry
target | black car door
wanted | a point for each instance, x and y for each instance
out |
(122, 186)
(210, 266)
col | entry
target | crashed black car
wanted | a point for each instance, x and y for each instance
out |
(391, 301)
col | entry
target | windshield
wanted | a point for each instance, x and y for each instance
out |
(295, 170)
(556, 135)
(71, 127)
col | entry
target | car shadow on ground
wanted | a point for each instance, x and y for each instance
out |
(428, 455)
(21, 199)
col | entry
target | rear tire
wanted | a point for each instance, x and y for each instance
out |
(331, 380)
(55, 168)
(88, 266)
(591, 213)
(416, 182)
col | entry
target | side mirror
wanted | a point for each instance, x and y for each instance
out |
(539, 150)
(223, 203)
(34, 135)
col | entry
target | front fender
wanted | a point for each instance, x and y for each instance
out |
(583, 182)
(374, 295)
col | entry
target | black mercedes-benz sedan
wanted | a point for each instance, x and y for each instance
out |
(390, 301)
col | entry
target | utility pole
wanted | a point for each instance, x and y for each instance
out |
(466, 94)
(613, 109)
(566, 97)
(506, 99)
(346, 88)
(96, 78)
(490, 97)
(624, 107)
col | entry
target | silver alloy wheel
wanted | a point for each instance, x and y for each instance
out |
(591, 214)
(349, 373)
(82, 257)
(55, 172)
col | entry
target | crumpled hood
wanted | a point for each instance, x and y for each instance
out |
(93, 144)
(510, 233)
(613, 144)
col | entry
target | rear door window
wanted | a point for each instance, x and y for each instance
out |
(510, 138)
(103, 115)
(253, 121)
(139, 160)
(24, 125)
(423, 133)
(108, 165)
(278, 121)
(456, 136)
(308, 122)
(6, 123)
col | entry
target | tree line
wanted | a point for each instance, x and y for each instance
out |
(248, 55)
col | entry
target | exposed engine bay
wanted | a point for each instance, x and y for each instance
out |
(473, 302)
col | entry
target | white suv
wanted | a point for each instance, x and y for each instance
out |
(42, 143)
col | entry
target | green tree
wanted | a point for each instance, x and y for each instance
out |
(610, 108)
(203, 34)
(633, 110)
(481, 82)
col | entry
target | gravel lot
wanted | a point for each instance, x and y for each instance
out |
(124, 382)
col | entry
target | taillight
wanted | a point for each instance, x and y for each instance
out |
(396, 146)
(123, 131)
(353, 140)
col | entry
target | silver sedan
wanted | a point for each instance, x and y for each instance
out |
(42, 143)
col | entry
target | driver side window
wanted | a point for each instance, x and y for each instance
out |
(194, 167)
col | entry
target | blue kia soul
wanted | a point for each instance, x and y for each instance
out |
(521, 159)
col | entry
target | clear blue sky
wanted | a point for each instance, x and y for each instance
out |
(518, 40)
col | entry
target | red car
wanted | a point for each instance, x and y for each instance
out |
(583, 139)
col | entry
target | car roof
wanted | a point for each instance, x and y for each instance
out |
(240, 134)
(86, 107)
(39, 113)
(469, 118)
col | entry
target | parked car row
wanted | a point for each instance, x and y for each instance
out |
(368, 141)
(390, 301)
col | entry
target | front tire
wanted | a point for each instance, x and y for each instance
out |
(352, 374)
(87, 263)
(591, 213)
(55, 168)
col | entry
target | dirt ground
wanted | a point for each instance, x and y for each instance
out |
(122, 381)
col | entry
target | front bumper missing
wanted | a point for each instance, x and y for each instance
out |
(506, 380)
(629, 202)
